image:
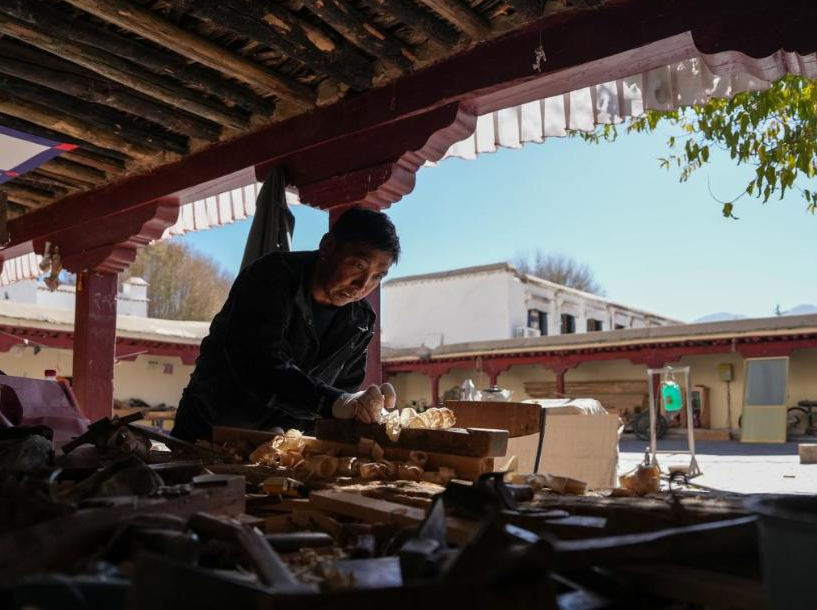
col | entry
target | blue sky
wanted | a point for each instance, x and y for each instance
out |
(651, 241)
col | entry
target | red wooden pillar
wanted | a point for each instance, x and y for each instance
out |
(435, 389)
(95, 342)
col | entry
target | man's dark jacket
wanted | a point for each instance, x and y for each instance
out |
(262, 364)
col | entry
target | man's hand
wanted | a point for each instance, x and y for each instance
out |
(364, 406)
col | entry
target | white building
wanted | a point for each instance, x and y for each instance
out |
(131, 301)
(496, 302)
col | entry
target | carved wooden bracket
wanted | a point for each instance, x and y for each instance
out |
(110, 245)
(376, 167)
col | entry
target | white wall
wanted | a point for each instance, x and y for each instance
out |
(490, 305)
(447, 310)
(146, 377)
(132, 301)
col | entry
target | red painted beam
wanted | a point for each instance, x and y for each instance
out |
(648, 355)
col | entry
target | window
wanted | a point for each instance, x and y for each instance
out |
(594, 325)
(620, 327)
(538, 319)
(766, 381)
(568, 324)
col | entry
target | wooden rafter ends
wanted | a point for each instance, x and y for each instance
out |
(461, 15)
(45, 116)
(273, 26)
(530, 9)
(147, 24)
(417, 19)
(354, 26)
(96, 115)
(29, 64)
(167, 64)
(122, 71)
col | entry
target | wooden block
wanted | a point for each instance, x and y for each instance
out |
(222, 434)
(466, 467)
(518, 418)
(372, 510)
(473, 442)
(808, 453)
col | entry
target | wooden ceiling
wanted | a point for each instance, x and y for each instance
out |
(136, 84)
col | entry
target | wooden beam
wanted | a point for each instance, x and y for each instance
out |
(100, 117)
(417, 19)
(461, 15)
(44, 184)
(273, 26)
(84, 158)
(107, 154)
(529, 9)
(58, 121)
(80, 175)
(354, 26)
(474, 442)
(45, 70)
(167, 64)
(121, 71)
(147, 24)
(33, 197)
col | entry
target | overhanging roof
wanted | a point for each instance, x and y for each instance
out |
(781, 326)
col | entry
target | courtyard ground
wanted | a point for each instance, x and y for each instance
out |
(733, 466)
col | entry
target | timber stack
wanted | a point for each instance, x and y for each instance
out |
(128, 517)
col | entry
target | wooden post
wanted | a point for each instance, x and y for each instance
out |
(94, 342)
(560, 382)
(435, 389)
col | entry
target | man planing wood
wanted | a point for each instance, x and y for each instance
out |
(289, 346)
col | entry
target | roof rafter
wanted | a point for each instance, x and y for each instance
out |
(273, 26)
(461, 15)
(38, 67)
(354, 26)
(168, 64)
(147, 24)
(417, 19)
(121, 71)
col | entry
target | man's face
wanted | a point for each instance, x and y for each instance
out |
(349, 272)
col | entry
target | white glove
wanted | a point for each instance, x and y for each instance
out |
(364, 406)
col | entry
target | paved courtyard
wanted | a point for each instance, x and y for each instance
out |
(733, 466)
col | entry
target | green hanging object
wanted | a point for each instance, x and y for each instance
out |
(671, 395)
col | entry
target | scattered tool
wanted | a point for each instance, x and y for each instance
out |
(111, 436)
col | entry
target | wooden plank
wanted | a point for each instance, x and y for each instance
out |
(123, 72)
(704, 588)
(417, 19)
(57, 543)
(463, 16)
(518, 418)
(465, 467)
(59, 122)
(272, 25)
(151, 26)
(354, 26)
(474, 442)
(168, 64)
(372, 510)
(18, 60)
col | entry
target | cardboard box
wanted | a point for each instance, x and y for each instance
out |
(583, 447)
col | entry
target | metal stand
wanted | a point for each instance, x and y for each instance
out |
(694, 469)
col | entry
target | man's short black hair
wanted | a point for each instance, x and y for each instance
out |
(366, 226)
